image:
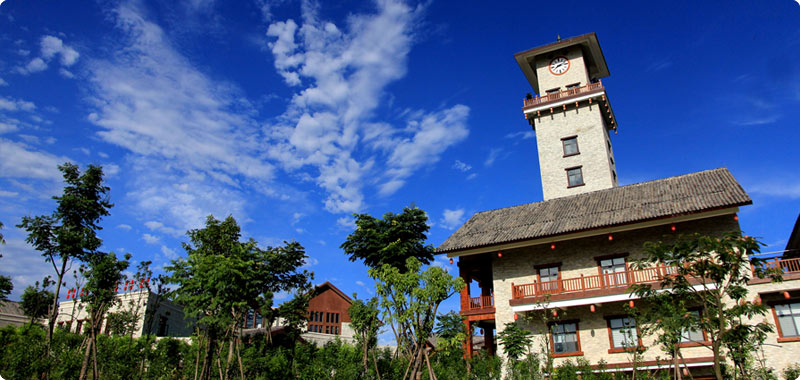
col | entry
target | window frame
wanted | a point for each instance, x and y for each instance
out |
(580, 170)
(613, 349)
(564, 147)
(613, 256)
(704, 342)
(553, 342)
(782, 338)
(538, 269)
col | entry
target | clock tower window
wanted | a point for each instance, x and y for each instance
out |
(575, 176)
(570, 146)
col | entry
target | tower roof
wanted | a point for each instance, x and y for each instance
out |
(592, 54)
(664, 198)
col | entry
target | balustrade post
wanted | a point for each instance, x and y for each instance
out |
(513, 291)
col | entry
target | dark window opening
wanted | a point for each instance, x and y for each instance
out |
(574, 177)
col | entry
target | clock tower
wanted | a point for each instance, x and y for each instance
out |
(571, 115)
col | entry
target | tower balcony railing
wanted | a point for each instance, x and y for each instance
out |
(564, 95)
(620, 281)
(482, 302)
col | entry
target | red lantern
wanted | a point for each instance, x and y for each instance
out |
(736, 217)
(786, 295)
(610, 237)
(555, 313)
(499, 254)
(685, 371)
(630, 304)
(591, 308)
(516, 317)
(451, 261)
(553, 246)
(673, 228)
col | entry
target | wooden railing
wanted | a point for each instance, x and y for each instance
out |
(570, 92)
(621, 280)
(787, 266)
(618, 280)
(482, 302)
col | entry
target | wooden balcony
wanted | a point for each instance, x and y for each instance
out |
(617, 283)
(564, 95)
(482, 302)
(613, 282)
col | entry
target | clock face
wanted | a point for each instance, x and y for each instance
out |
(559, 65)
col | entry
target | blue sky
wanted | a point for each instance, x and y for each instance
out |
(292, 115)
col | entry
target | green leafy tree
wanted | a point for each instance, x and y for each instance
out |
(712, 273)
(6, 286)
(365, 321)
(70, 232)
(516, 340)
(36, 302)
(103, 275)
(411, 300)
(222, 278)
(390, 240)
(667, 318)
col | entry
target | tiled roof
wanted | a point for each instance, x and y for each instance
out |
(685, 194)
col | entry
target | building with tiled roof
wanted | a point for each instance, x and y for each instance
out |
(570, 253)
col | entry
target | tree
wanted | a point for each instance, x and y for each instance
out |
(516, 341)
(104, 274)
(36, 302)
(6, 286)
(365, 321)
(410, 300)
(70, 232)
(711, 273)
(390, 240)
(222, 278)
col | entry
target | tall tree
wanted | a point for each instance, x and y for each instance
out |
(365, 321)
(104, 274)
(222, 278)
(6, 286)
(390, 240)
(70, 232)
(711, 273)
(411, 300)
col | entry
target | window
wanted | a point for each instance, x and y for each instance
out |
(570, 146)
(788, 316)
(565, 339)
(259, 320)
(249, 322)
(574, 85)
(622, 332)
(548, 278)
(163, 327)
(614, 271)
(553, 90)
(574, 177)
(693, 335)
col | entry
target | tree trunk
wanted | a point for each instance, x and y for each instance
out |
(375, 362)
(364, 348)
(85, 364)
(676, 364)
(431, 375)
(95, 370)
(51, 323)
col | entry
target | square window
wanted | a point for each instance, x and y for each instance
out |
(574, 85)
(788, 319)
(565, 337)
(623, 332)
(548, 278)
(570, 146)
(574, 177)
(554, 90)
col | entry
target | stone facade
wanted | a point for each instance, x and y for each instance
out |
(167, 318)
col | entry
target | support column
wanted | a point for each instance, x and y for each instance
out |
(465, 292)
(488, 339)
(468, 341)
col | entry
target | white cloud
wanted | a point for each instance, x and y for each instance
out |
(158, 226)
(779, 190)
(151, 239)
(124, 227)
(52, 46)
(110, 170)
(341, 76)
(19, 161)
(11, 104)
(34, 66)
(309, 262)
(524, 135)
(360, 283)
(7, 128)
(8, 194)
(492, 157)
(460, 166)
(3, 82)
(168, 252)
(452, 219)
(346, 223)
(189, 134)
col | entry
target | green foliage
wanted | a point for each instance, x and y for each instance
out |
(121, 322)
(515, 339)
(792, 372)
(391, 240)
(724, 266)
(36, 302)
(70, 232)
